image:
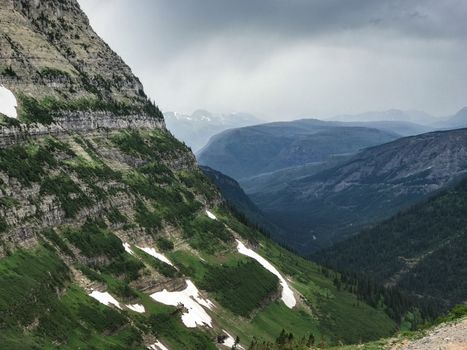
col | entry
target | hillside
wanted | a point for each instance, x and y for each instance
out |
(371, 186)
(111, 237)
(196, 129)
(249, 151)
(421, 250)
(242, 204)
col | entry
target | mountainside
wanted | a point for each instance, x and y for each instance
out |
(196, 129)
(111, 237)
(242, 204)
(373, 185)
(421, 250)
(250, 151)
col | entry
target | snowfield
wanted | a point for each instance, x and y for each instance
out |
(287, 296)
(195, 315)
(157, 346)
(105, 298)
(8, 102)
(159, 256)
(128, 248)
(230, 341)
(210, 215)
(136, 308)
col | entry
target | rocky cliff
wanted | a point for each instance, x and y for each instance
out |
(49, 52)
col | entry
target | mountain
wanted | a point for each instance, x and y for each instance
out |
(458, 120)
(374, 184)
(421, 250)
(111, 237)
(393, 115)
(196, 129)
(250, 151)
(241, 203)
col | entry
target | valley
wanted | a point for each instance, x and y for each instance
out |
(123, 227)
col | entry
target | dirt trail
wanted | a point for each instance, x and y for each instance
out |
(444, 337)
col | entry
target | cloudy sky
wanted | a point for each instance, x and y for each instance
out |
(283, 59)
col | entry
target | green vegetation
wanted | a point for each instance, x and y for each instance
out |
(9, 72)
(430, 237)
(163, 196)
(54, 74)
(206, 235)
(164, 244)
(160, 266)
(68, 192)
(241, 288)
(43, 111)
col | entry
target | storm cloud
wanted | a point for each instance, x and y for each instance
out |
(287, 59)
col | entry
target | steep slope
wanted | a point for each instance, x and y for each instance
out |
(421, 250)
(53, 61)
(373, 185)
(111, 237)
(196, 129)
(242, 204)
(249, 151)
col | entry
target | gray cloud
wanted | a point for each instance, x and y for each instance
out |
(286, 59)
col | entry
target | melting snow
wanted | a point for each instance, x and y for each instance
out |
(152, 252)
(287, 294)
(210, 215)
(128, 248)
(230, 341)
(105, 298)
(8, 102)
(190, 299)
(136, 308)
(157, 346)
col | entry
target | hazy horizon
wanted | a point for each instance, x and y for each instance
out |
(292, 60)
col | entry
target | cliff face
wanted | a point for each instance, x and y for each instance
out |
(49, 51)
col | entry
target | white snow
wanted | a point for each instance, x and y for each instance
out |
(159, 256)
(287, 294)
(230, 341)
(210, 215)
(127, 247)
(105, 298)
(190, 299)
(8, 102)
(136, 308)
(157, 346)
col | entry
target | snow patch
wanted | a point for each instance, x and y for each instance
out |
(8, 103)
(287, 294)
(159, 256)
(195, 315)
(230, 341)
(136, 308)
(157, 346)
(210, 215)
(105, 298)
(127, 247)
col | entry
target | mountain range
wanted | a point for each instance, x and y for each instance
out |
(196, 129)
(250, 151)
(370, 186)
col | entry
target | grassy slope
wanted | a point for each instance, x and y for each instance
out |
(39, 312)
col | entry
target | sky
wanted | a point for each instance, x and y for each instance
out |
(286, 59)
